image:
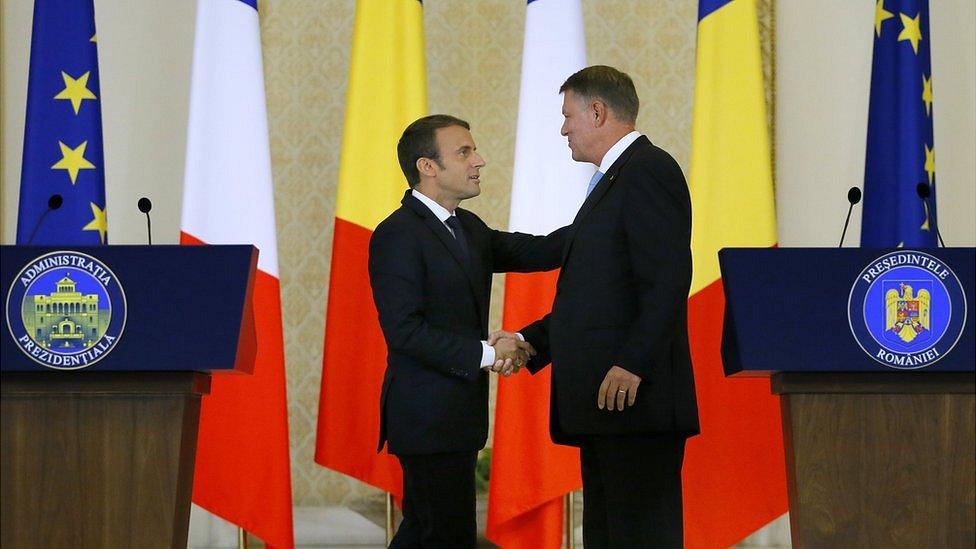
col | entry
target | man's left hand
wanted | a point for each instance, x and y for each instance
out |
(618, 387)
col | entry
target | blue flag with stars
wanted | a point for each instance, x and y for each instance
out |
(63, 130)
(900, 148)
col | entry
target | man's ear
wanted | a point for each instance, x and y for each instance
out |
(600, 112)
(426, 166)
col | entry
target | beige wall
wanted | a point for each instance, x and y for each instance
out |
(823, 51)
(473, 55)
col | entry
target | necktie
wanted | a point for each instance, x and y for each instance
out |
(455, 226)
(593, 181)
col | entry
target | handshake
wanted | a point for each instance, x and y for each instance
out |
(511, 353)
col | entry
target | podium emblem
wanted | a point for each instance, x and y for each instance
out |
(907, 310)
(66, 310)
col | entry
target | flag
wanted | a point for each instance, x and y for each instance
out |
(901, 145)
(734, 473)
(529, 474)
(387, 91)
(63, 131)
(242, 467)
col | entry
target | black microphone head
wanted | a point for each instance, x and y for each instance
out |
(854, 195)
(145, 205)
(923, 190)
(55, 201)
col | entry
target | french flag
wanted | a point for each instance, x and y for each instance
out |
(242, 465)
(529, 474)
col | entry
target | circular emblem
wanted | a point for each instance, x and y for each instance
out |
(66, 310)
(907, 310)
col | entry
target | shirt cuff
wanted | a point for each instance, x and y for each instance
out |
(487, 355)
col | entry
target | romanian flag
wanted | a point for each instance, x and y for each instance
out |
(62, 178)
(901, 145)
(387, 91)
(243, 473)
(529, 474)
(735, 472)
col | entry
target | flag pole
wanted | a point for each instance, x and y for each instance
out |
(241, 538)
(389, 518)
(570, 521)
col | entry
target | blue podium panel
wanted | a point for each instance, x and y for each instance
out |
(848, 310)
(108, 308)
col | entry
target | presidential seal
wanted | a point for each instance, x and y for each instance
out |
(907, 310)
(66, 310)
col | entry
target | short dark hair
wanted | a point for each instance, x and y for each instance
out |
(419, 140)
(613, 87)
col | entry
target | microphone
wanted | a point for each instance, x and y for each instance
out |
(144, 206)
(924, 191)
(53, 203)
(853, 196)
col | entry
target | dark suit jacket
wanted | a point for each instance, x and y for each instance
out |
(433, 309)
(621, 299)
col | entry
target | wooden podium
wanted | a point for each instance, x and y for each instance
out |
(103, 455)
(876, 456)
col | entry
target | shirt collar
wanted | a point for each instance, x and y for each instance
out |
(438, 210)
(617, 149)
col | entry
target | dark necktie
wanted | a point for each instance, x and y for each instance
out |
(455, 226)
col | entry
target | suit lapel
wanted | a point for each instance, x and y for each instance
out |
(475, 266)
(447, 239)
(602, 188)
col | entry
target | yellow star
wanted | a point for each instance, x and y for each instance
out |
(73, 160)
(98, 222)
(911, 31)
(880, 15)
(75, 90)
(92, 39)
(930, 162)
(927, 94)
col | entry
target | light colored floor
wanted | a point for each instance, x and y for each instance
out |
(344, 528)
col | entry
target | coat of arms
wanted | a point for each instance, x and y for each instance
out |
(907, 312)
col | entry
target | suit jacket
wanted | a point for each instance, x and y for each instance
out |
(621, 299)
(433, 310)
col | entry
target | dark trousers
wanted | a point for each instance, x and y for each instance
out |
(438, 501)
(632, 491)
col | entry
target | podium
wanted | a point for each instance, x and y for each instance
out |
(872, 353)
(106, 353)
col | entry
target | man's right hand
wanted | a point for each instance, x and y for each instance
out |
(510, 354)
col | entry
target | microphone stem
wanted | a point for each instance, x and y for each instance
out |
(935, 221)
(846, 221)
(37, 226)
(149, 228)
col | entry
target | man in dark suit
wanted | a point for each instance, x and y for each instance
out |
(622, 384)
(430, 267)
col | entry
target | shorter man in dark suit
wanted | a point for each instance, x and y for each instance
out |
(430, 267)
(619, 322)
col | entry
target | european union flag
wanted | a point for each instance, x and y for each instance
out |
(63, 130)
(901, 148)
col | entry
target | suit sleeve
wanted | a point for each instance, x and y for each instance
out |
(537, 334)
(396, 274)
(525, 253)
(657, 226)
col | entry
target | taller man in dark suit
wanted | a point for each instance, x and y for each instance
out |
(430, 267)
(622, 384)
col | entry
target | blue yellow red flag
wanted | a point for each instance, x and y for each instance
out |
(900, 148)
(63, 130)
